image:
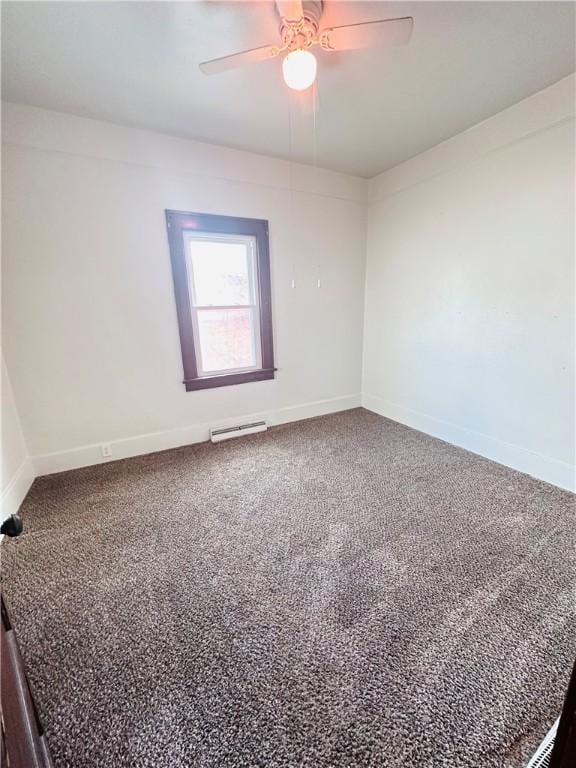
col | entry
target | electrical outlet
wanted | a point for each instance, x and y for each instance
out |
(106, 450)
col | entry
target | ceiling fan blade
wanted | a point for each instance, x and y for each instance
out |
(291, 10)
(370, 34)
(253, 56)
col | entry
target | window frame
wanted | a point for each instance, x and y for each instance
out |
(253, 306)
(178, 224)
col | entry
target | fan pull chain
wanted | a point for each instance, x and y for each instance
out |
(292, 216)
(315, 162)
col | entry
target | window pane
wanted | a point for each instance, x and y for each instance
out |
(227, 339)
(221, 272)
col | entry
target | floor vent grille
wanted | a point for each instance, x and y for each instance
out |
(541, 758)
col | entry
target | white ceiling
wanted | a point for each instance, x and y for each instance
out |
(136, 63)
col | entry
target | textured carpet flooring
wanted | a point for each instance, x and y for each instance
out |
(334, 593)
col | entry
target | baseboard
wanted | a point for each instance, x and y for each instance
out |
(546, 468)
(139, 445)
(15, 492)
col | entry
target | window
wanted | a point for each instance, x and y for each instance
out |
(221, 271)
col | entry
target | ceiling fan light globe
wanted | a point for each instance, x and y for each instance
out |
(299, 69)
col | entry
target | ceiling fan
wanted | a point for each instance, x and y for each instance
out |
(300, 30)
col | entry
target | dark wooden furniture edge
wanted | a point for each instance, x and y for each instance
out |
(24, 742)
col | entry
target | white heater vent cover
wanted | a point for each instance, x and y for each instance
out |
(541, 758)
(218, 434)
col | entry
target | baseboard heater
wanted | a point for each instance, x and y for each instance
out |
(226, 433)
(543, 755)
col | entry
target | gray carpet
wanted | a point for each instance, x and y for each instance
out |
(334, 593)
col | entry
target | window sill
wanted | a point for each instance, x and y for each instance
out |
(228, 379)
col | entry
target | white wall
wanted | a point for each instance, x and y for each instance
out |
(469, 299)
(469, 325)
(90, 332)
(17, 469)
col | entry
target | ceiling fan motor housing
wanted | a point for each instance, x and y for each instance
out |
(302, 33)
